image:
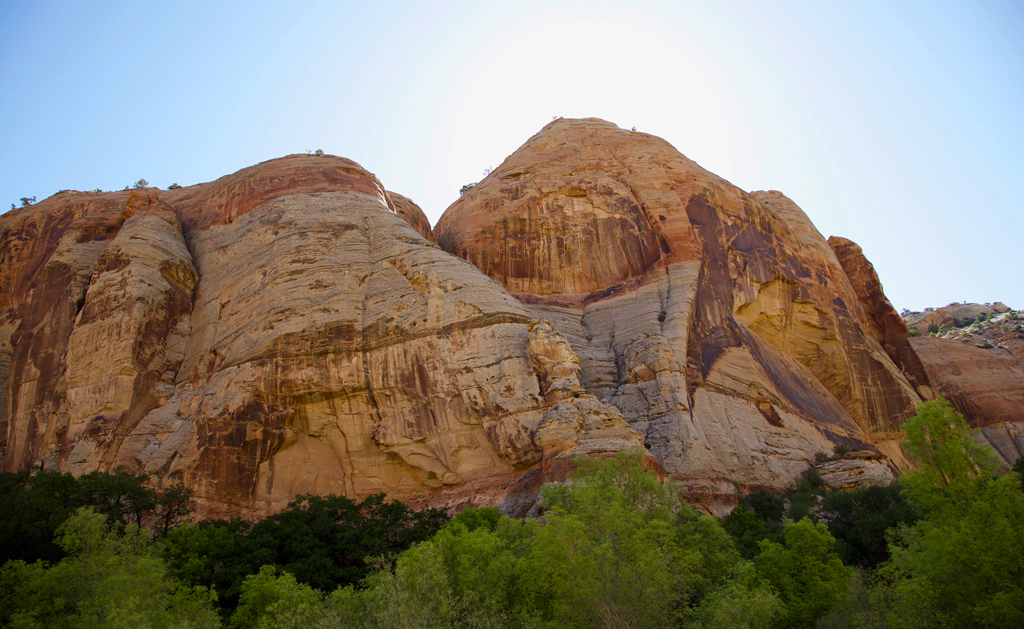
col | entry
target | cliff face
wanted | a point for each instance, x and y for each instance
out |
(978, 365)
(721, 323)
(279, 331)
(293, 328)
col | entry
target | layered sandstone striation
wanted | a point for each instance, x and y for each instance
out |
(293, 328)
(720, 323)
(412, 214)
(886, 324)
(279, 331)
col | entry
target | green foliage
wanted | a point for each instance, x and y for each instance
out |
(323, 541)
(35, 505)
(960, 564)
(804, 497)
(477, 517)
(841, 449)
(859, 519)
(742, 602)
(27, 201)
(108, 579)
(267, 599)
(174, 186)
(758, 517)
(965, 558)
(141, 183)
(806, 572)
(747, 530)
(617, 548)
(214, 554)
(939, 440)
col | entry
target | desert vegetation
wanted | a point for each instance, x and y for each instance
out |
(615, 548)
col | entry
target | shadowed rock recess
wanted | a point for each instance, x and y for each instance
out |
(293, 328)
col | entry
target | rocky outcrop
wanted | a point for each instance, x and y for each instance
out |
(280, 331)
(985, 384)
(412, 214)
(887, 325)
(292, 328)
(974, 356)
(854, 470)
(720, 323)
(47, 256)
(953, 315)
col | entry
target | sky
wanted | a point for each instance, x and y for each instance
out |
(899, 125)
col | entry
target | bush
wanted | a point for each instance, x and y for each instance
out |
(841, 449)
(859, 519)
(141, 183)
(806, 572)
(36, 504)
(108, 579)
(323, 541)
(174, 186)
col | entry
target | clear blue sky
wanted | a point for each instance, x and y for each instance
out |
(895, 124)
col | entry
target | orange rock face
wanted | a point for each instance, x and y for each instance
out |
(720, 322)
(412, 214)
(980, 370)
(293, 328)
(888, 327)
(279, 331)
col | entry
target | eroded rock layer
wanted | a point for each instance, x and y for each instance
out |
(721, 323)
(293, 328)
(276, 332)
(983, 382)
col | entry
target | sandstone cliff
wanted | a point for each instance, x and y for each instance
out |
(721, 323)
(279, 331)
(976, 360)
(293, 328)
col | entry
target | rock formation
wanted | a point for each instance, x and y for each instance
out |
(276, 332)
(293, 328)
(978, 365)
(721, 323)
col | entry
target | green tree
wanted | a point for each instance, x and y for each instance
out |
(758, 516)
(216, 554)
(174, 506)
(121, 496)
(805, 571)
(617, 548)
(859, 519)
(960, 565)
(108, 579)
(36, 503)
(34, 506)
(965, 558)
(323, 541)
(939, 440)
(741, 602)
(267, 598)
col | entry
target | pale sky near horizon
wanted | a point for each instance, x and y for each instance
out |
(895, 124)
